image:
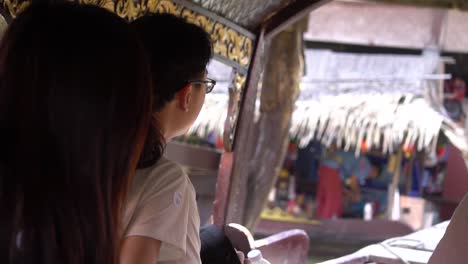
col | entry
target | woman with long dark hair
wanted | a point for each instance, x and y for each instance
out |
(75, 100)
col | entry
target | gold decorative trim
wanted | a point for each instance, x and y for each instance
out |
(14, 7)
(234, 105)
(228, 43)
(3, 25)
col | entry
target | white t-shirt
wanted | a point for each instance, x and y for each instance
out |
(162, 205)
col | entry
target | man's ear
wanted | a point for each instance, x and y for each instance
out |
(183, 97)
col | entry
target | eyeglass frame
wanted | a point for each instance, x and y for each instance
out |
(209, 84)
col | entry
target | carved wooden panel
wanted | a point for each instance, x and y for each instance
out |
(232, 44)
(229, 44)
(3, 25)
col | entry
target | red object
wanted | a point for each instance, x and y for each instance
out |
(290, 207)
(409, 149)
(457, 87)
(222, 188)
(364, 147)
(219, 143)
(441, 152)
(329, 193)
(292, 148)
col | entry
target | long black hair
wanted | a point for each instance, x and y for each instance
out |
(75, 104)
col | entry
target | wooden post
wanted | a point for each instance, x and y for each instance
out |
(394, 186)
(247, 133)
(234, 205)
(460, 4)
(280, 89)
(409, 174)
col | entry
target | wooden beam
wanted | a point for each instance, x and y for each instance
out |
(289, 15)
(223, 181)
(283, 72)
(458, 4)
(234, 206)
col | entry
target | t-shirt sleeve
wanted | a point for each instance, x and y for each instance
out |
(362, 169)
(163, 211)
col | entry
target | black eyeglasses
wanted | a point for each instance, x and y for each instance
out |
(209, 84)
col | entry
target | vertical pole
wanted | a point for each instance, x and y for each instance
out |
(231, 184)
(222, 188)
(409, 174)
(393, 188)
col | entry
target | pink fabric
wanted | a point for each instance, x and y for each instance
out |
(456, 180)
(329, 193)
(453, 248)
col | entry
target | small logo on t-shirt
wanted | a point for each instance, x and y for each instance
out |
(177, 199)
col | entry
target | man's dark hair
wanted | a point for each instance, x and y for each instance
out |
(216, 247)
(178, 52)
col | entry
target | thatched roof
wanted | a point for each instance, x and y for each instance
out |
(385, 101)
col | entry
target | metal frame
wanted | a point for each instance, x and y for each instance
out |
(215, 17)
(228, 187)
(231, 42)
(235, 204)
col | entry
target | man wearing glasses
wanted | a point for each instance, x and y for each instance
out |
(161, 222)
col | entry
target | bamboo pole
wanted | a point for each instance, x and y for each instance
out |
(393, 188)
(409, 175)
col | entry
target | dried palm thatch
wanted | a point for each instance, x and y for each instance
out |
(382, 122)
(380, 102)
(373, 101)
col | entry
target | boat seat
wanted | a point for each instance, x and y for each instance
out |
(287, 247)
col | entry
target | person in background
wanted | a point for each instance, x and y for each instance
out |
(161, 222)
(330, 197)
(354, 171)
(308, 161)
(74, 112)
(454, 93)
(341, 174)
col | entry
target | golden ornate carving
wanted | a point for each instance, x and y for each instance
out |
(239, 81)
(235, 99)
(15, 7)
(3, 25)
(107, 4)
(228, 43)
